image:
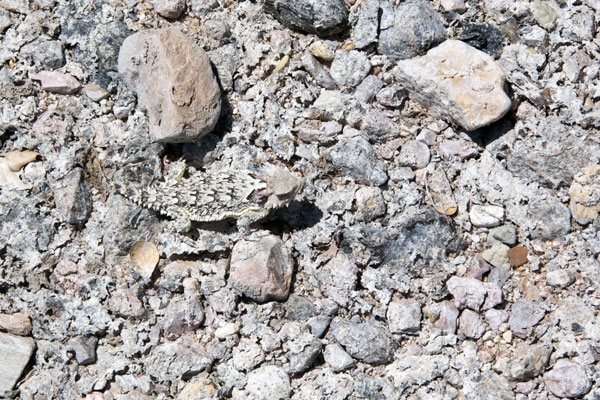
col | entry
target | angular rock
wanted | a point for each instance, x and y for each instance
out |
(378, 126)
(268, 382)
(486, 216)
(368, 88)
(467, 292)
(417, 369)
(183, 358)
(355, 156)
(174, 82)
(349, 68)
(404, 316)
(15, 324)
(523, 316)
(84, 348)
(370, 203)
(529, 361)
(457, 82)
(414, 154)
(552, 218)
(409, 29)
(95, 92)
(57, 82)
(45, 53)
(15, 353)
(560, 278)
(183, 315)
(321, 17)
(317, 71)
(337, 279)
(497, 255)
(365, 30)
(471, 325)
(484, 37)
(73, 198)
(261, 269)
(585, 195)
(517, 256)
(169, 8)
(567, 379)
(447, 318)
(337, 358)
(370, 342)
(505, 234)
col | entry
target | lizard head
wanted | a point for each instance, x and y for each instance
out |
(282, 186)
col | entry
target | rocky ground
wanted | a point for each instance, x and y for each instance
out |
(445, 244)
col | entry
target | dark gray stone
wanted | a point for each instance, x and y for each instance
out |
(317, 71)
(299, 308)
(84, 348)
(365, 30)
(321, 17)
(409, 29)
(552, 218)
(529, 361)
(484, 37)
(524, 315)
(355, 157)
(370, 342)
(72, 197)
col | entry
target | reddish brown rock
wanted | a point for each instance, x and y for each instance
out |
(517, 256)
(57, 82)
(174, 83)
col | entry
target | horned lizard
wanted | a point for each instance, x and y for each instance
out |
(186, 194)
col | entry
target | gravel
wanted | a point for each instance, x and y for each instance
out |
(445, 243)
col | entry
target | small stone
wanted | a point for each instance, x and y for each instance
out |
(144, 257)
(484, 37)
(440, 191)
(552, 218)
(84, 348)
(355, 157)
(318, 325)
(567, 379)
(409, 29)
(337, 279)
(183, 105)
(427, 136)
(493, 295)
(183, 315)
(505, 234)
(16, 324)
(453, 5)
(281, 42)
(126, 302)
(585, 195)
(414, 154)
(337, 358)
(380, 128)
(477, 267)
(261, 269)
(365, 30)
(323, 49)
(319, 131)
(497, 255)
(517, 256)
(507, 336)
(73, 198)
(247, 355)
(402, 174)
(15, 353)
(298, 308)
(561, 278)
(65, 267)
(486, 216)
(457, 148)
(391, 96)
(370, 342)
(467, 292)
(457, 82)
(524, 315)
(404, 316)
(470, 325)
(447, 318)
(45, 53)
(95, 92)
(230, 328)
(349, 68)
(370, 203)
(545, 13)
(268, 382)
(529, 361)
(169, 8)
(368, 88)
(57, 82)
(495, 318)
(317, 71)
(323, 17)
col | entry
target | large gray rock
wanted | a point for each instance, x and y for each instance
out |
(567, 379)
(174, 83)
(370, 342)
(457, 82)
(15, 352)
(409, 30)
(529, 361)
(322, 17)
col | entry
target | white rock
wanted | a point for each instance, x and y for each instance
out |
(486, 216)
(457, 82)
(337, 358)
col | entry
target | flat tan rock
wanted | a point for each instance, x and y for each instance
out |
(174, 83)
(457, 82)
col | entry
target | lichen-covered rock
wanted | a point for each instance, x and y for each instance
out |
(174, 82)
(457, 82)
(321, 17)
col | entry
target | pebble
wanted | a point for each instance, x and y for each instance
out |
(337, 358)
(517, 256)
(126, 302)
(355, 157)
(370, 342)
(57, 82)
(323, 49)
(506, 234)
(457, 148)
(475, 100)
(95, 92)
(379, 127)
(391, 96)
(15, 324)
(317, 71)
(228, 329)
(144, 257)
(364, 32)
(471, 325)
(585, 195)
(370, 203)
(318, 325)
(319, 131)
(322, 17)
(261, 268)
(367, 89)
(477, 267)
(404, 316)
(529, 361)
(524, 315)
(552, 218)
(497, 255)
(15, 353)
(448, 317)
(402, 174)
(45, 53)
(567, 379)
(181, 106)
(169, 8)
(486, 216)
(440, 191)
(268, 382)
(409, 29)
(182, 315)
(467, 292)
(349, 68)
(495, 318)
(84, 348)
(561, 278)
(281, 42)
(337, 279)
(453, 5)
(73, 198)
(414, 154)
